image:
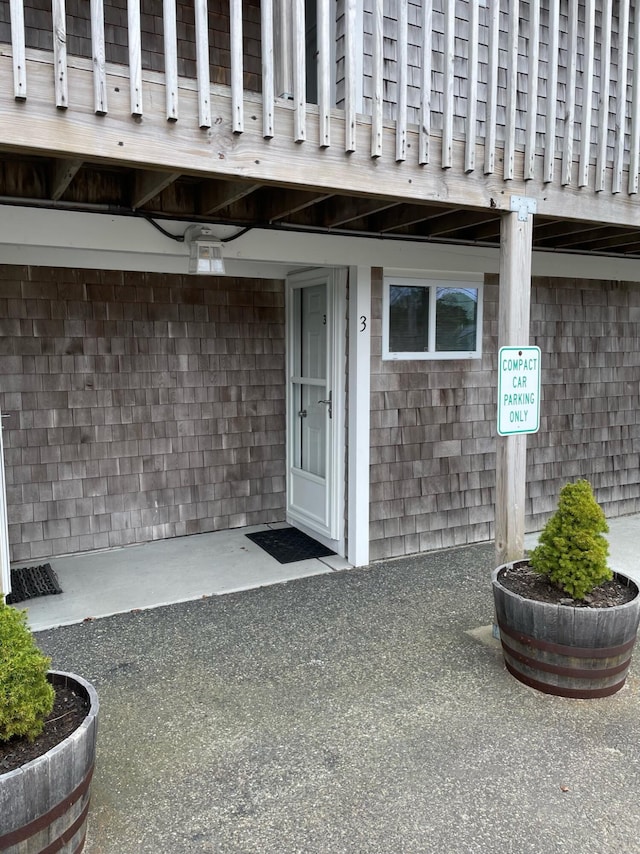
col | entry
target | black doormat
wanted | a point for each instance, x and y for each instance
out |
(287, 545)
(32, 581)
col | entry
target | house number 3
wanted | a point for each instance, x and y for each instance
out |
(363, 321)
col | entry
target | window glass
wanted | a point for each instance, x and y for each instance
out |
(431, 319)
(408, 318)
(456, 319)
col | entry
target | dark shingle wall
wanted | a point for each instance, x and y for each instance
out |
(141, 406)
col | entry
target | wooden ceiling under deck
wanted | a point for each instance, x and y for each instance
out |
(77, 185)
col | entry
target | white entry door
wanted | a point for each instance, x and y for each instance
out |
(315, 438)
(5, 574)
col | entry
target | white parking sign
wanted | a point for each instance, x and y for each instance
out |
(518, 390)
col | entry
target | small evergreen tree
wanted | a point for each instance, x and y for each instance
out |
(26, 697)
(572, 551)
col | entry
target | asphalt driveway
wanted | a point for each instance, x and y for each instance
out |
(360, 711)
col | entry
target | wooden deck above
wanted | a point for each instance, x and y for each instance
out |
(428, 119)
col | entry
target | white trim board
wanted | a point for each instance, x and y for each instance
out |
(78, 239)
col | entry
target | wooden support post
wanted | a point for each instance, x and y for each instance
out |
(516, 236)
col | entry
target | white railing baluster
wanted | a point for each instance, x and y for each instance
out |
(135, 57)
(570, 95)
(552, 92)
(98, 53)
(170, 59)
(447, 95)
(377, 82)
(237, 66)
(425, 99)
(512, 91)
(532, 94)
(621, 100)
(18, 50)
(299, 72)
(58, 13)
(587, 92)
(266, 19)
(350, 71)
(401, 81)
(323, 25)
(634, 155)
(603, 100)
(492, 89)
(472, 88)
(202, 63)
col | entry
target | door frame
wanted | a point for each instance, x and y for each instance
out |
(336, 282)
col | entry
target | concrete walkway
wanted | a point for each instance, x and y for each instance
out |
(355, 711)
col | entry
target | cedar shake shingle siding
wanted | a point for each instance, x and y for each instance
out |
(433, 433)
(140, 406)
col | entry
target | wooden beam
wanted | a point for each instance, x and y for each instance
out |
(513, 330)
(147, 185)
(216, 195)
(290, 202)
(180, 147)
(338, 211)
(62, 174)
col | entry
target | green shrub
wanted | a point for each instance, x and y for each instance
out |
(572, 551)
(26, 697)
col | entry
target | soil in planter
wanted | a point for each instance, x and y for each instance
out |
(520, 578)
(69, 711)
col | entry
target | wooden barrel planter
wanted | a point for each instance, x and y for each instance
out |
(44, 803)
(564, 650)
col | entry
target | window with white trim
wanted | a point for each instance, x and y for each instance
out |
(431, 319)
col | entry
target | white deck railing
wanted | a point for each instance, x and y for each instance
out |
(532, 90)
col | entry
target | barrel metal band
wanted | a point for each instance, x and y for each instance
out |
(561, 691)
(38, 824)
(67, 835)
(559, 670)
(570, 651)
